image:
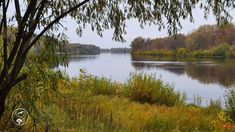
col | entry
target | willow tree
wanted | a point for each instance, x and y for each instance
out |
(35, 18)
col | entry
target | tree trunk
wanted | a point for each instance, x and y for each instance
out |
(4, 90)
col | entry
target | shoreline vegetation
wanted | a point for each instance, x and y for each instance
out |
(208, 41)
(220, 51)
(90, 103)
(80, 49)
(116, 50)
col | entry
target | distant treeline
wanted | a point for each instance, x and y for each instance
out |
(206, 41)
(64, 47)
(117, 50)
(81, 49)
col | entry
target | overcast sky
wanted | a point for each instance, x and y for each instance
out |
(133, 31)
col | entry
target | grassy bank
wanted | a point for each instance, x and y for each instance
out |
(220, 51)
(88, 103)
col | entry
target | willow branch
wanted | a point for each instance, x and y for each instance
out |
(18, 13)
(55, 21)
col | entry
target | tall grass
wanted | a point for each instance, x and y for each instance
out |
(147, 89)
(91, 103)
(230, 103)
(98, 85)
(139, 87)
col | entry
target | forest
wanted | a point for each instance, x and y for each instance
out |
(206, 41)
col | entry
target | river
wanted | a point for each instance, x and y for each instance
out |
(207, 79)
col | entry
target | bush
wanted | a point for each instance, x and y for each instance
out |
(201, 53)
(146, 88)
(213, 107)
(181, 52)
(230, 104)
(221, 50)
(231, 52)
(159, 53)
(140, 87)
(103, 86)
(97, 85)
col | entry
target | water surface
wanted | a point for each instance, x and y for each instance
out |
(208, 79)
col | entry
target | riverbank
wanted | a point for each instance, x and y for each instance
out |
(220, 51)
(89, 103)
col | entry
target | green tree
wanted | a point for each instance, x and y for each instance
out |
(45, 16)
(137, 44)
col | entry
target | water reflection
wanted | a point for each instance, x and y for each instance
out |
(82, 57)
(205, 78)
(218, 71)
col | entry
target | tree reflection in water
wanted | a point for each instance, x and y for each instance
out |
(206, 71)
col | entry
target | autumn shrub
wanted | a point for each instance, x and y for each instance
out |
(230, 104)
(223, 50)
(231, 52)
(169, 53)
(201, 53)
(103, 86)
(139, 87)
(147, 89)
(214, 107)
(182, 52)
(105, 113)
(220, 51)
(97, 85)
(157, 52)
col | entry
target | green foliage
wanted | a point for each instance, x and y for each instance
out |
(1, 41)
(147, 89)
(35, 94)
(140, 87)
(230, 103)
(201, 53)
(181, 52)
(221, 50)
(231, 52)
(213, 107)
(204, 38)
(49, 51)
(57, 103)
(97, 85)
(159, 53)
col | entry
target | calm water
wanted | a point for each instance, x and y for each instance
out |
(208, 79)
